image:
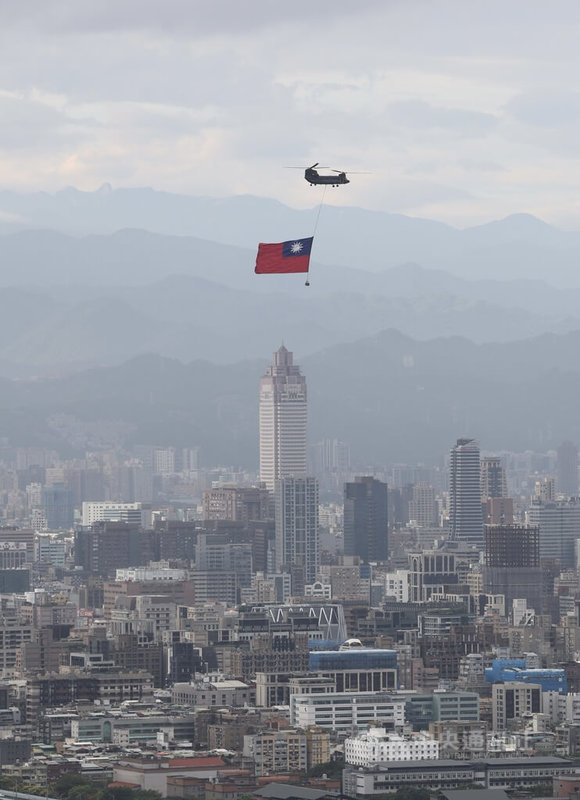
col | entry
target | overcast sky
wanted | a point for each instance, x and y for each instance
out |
(464, 110)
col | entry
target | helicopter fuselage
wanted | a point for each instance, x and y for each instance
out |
(314, 178)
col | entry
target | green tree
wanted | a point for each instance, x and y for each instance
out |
(333, 769)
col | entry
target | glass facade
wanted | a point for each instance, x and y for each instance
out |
(333, 660)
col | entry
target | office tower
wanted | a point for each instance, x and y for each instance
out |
(235, 503)
(297, 525)
(108, 546)
(559, 525)
(215, 552)
(512, 564)
(422, 506)
(330, 455)
(567, 482)
(515, 546)
(499, 511)
(111, 512)
(282, 420)
(498, 508)
(58, 507)
(493, 480)
(545, 490)
(366, 519)
(465, 510)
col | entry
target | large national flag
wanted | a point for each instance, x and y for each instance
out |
(292, 256)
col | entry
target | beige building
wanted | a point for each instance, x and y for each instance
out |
(317, 747)
(459, 739)
(513, 700)
(277, 752)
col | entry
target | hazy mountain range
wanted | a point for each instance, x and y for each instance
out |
(391, 397)
(519, 246)
(401, 354)
(74, 302)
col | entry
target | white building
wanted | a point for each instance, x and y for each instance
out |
(318, 589)
(397, 585)
(377, 745)
(164, 460)
(151, 573)
(346, 711)
(283, 449)
(102, 511)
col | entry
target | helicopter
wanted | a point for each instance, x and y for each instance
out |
(314, 178)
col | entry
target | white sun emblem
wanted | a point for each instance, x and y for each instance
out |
(296, 247)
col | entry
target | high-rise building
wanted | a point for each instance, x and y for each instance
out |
(512, 564)
(297, 525)
(512, 546)
(111, 512)
(57, 504)
(465, 509)
(567, 464)
(330, 455)
(283, 450)
(493, 480)
(559, 525)
(366, 519)
(545, 491)
(235, 503)
(423, 506)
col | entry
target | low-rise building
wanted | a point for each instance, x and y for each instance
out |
(347, 711)
(377, 745)
(153, 773)
(213, 694)
(494, 773)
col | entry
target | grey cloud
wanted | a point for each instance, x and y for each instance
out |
(196, 18)
(29, 124)
(546, 109)
(480, 165)
(420, 115)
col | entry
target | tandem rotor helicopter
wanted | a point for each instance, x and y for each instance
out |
(314, 178)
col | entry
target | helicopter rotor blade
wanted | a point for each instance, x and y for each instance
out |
(350, 172)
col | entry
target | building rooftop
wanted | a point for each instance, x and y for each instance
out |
(287, 791)
(482, 794)
(499, 763)
(202, 762)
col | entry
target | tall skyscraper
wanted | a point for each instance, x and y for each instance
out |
(283, 449)
(297, 526)
(493, 480)
(465, 509)
(498, 507)
(366, 519)
(567, 482)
